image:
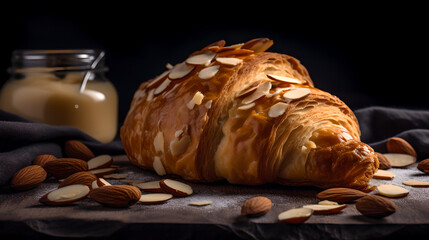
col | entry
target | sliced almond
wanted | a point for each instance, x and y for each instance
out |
(169, 66)
(230, 47)
(102, 161)
(100, 172)
(285, 79)
(327, 202)
(392, 191)
(162, 87)
(158, 78)
(208, 72)
(383, 174)
(258, 44)
(248, 89)
(152, 186)
(100, 182)
(246, 106)
(215, 45)
(158, 142)
(197, 99)
(150, 95)
(325, 209)
(201, 59)
(200, 203)
(176, 188)
(139, 94)
(180, 70)
(178, 133)
(400, 160)
(235, 52)
(277, 91)
(65, 195)
(415, 183)
(155, 198)
(261, 91)
(296, 93)
(158, 166)
(400, 145)
(230, 61)
(277, 109)
(208, 104)
(295, 215)
(179, 146)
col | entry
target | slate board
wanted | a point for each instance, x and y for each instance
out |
(22, 215)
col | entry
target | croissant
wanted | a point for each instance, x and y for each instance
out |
(248, 116)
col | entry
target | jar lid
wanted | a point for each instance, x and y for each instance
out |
(56, 60)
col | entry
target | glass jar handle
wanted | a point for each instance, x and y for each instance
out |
(87, 74)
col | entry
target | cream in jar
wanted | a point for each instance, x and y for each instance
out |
(45, 87)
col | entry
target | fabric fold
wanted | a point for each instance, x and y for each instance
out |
(21, 140)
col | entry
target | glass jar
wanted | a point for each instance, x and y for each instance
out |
(47, 86)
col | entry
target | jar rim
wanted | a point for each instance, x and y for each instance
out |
(56, 60)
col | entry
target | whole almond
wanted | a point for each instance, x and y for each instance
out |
(84, 178)
(424, 165)
(340, 195)
(28, 177)
(256, 206)
(76, 149)
(41, 160)
(399, 145)
(384, 162)
(64, 167)
(375, 206)
(116, 195)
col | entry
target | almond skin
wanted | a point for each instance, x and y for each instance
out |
(340, 195)
(399, 145)
(64, 167)
(384, 162)
(375, 206)
(256, 206)
(41, 160)
(424, 165)
(176, 191)
(116, 195)
(258, 44)
(76, 149)
(84, 178)
(28, 178)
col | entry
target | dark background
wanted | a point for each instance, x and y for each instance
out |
(366, 55)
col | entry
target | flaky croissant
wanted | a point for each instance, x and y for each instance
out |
(248, 116)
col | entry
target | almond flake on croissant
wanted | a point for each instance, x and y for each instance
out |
(248, 116)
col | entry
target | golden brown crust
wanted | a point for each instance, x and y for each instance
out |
(247, 116)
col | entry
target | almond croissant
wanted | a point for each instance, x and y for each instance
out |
(248, 116)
